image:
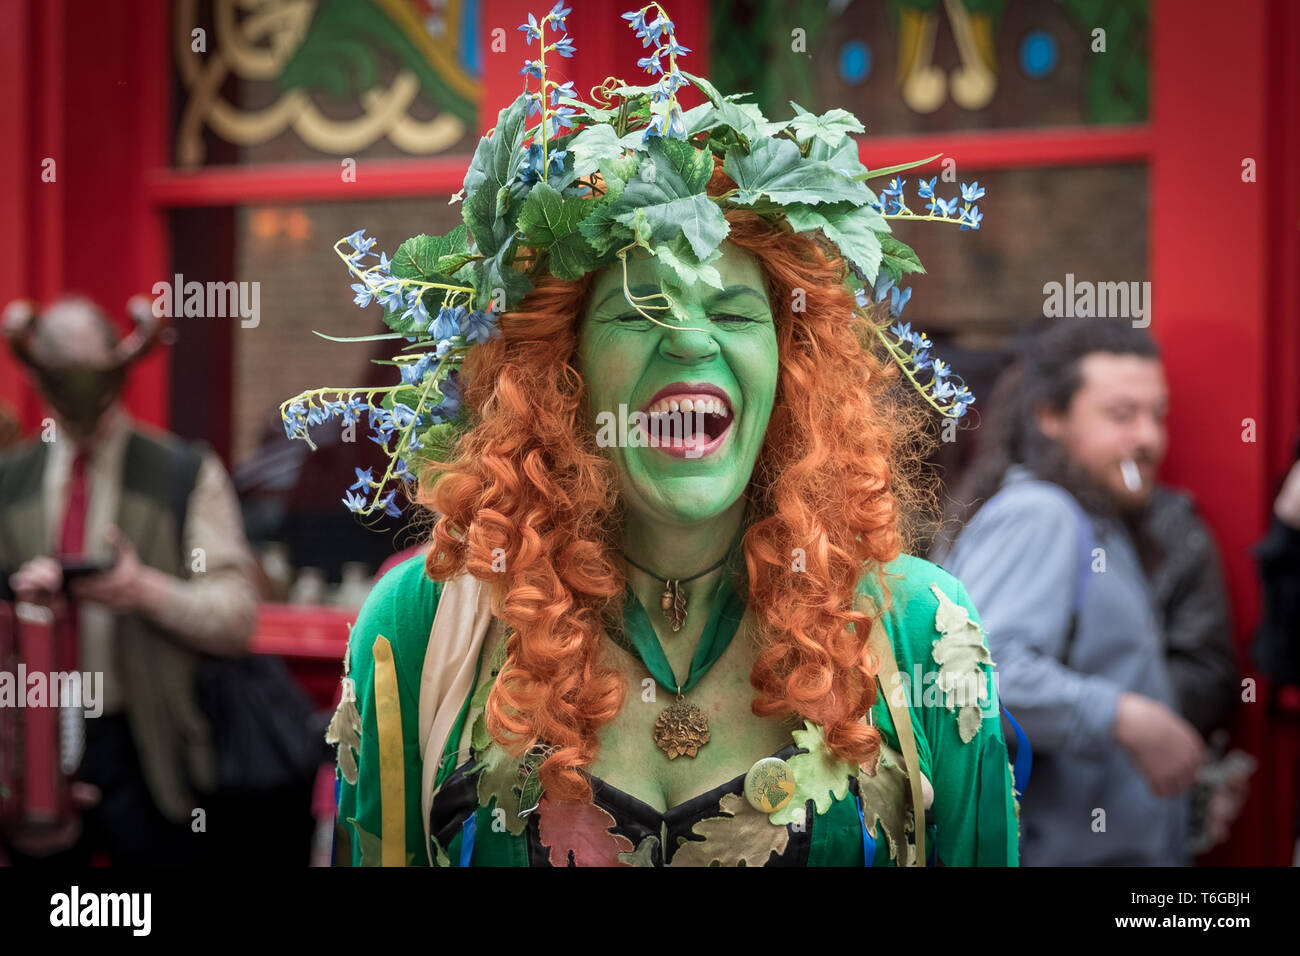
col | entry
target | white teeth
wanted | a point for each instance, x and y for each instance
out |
(696, 406)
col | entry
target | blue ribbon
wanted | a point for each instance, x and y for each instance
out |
(868, 842)
(467, 831)
(1024, 755)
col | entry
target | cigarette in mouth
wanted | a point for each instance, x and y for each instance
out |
(1132, 477)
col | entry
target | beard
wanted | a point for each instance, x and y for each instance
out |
(1053, 463)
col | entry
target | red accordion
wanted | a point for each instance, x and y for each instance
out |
(40, 728)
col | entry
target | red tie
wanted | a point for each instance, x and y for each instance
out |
(73, 540)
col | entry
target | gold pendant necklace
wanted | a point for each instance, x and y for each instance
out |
(673, 601)
(682, 728)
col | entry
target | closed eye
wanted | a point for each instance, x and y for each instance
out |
(728, 318)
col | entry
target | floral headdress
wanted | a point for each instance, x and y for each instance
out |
(564, 187)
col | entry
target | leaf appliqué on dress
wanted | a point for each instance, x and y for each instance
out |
(741, 837)
(959, 654)
(344, 730)
(582, 830)
(818, 776)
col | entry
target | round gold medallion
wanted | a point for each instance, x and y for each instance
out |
(769, 785)
(682, 728)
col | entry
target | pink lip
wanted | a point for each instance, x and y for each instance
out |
(682, 388)
(679, 448)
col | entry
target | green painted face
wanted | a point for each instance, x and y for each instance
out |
(721, 353)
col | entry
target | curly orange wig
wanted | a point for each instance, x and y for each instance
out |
(529, 479)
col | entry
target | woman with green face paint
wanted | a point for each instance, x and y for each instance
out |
(667, 616)
(692, 617)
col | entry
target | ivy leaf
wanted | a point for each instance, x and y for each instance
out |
(959, 655)
(495, 273)
(420, 256)
(497, 157)
(830, 128)
(604, 233)
(853, 229)
(818, 776)
(669, 193)
(593, 145)
(688, 269)
(550, 222)
(897, 258)
(741, 837)
(776, 169)
(696, 217)
(581, 829)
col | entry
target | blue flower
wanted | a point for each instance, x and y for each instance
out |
(563, 89)
(531, 29)
(354, 502)
(971, 218)
(534, 104)
(860, 296)
(563, 46)
(883, 284)
(389, 507)
(897, 300)
(360, 243)
(413, 372)
(637, 18)
(926, 189)
(558, 13)
(921, 340)
(921, 359)
(364, 479)
(447, 323)
(478, 327)
(673, 48)
(384, 264)
(560, 118)
(946, 207)
(903, 330)
(415, 309)
(532, 68)
(895, 187)
(941, 369)
(939, 388)
(971, 193)
(365, 295)
(658, 26)
(651, 63)
(352, 411)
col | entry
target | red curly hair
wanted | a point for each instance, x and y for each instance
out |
(528, 478)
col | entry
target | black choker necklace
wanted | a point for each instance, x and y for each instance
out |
(673, 601)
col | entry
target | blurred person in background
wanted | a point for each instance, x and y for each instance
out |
(1061, 548)
(1276, 648)
(147, 506)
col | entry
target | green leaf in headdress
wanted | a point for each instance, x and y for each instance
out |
(669, 191)
(831, 128)
(897, 257)
(550, 222)
(853, 229)
(775, 169)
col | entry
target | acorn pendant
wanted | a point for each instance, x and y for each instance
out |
(673, 603)
(682, 728)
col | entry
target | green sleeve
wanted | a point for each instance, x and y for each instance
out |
(400, 607)
(975, 814)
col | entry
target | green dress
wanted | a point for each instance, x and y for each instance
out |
(850, 816)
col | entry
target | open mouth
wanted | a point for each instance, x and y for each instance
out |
(688, 421)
